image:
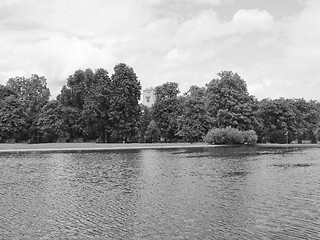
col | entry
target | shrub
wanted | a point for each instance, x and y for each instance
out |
(224, 136)
(230, 136)
(250, 137)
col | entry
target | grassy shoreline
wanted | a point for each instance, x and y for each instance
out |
(88, 146)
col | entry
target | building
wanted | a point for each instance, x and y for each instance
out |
(148, 97)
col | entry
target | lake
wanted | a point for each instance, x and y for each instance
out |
(196, 193)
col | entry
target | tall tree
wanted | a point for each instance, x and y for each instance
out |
(194, 122)
(230, 104)
(145, 119)
(32, 91)
(125, 112)
(97, 104)
(166, 109)
(58, 122)
(279, 120)
(307, 116)
(77, 88)
(152, 133)
(50, 122)
(89, 93)
(33, 94)
(13, 119)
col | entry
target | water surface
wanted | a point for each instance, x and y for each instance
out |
(214, 193)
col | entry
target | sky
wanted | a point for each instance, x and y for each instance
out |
(274, 45)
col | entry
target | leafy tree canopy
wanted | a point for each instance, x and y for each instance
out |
(230, 104)
(194, 122)
(166, 109)
(125, 109)
(32, 91)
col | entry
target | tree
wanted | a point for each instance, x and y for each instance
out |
(125, 109)
(5, 92)
(32, 91)
(166, 110)
(97, 104)
(229, 103)
(279, 120)
(33, 94)
(194, 122)
(76, 90)
(152, 133)
(13, 119)
(307, 117)
(58, 122)
(89, 93)
(65, 96)
(145, 119)
(50, 123)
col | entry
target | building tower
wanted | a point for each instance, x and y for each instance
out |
(149, 97)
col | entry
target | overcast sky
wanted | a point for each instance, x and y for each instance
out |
(274, 45)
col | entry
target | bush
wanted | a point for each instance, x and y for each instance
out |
(230, 136)
(224, 136)
(250, 137)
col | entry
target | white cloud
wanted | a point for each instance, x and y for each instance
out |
(198, 30)
(186, 2)
(304, 35)
(249, 20)
(163, 40)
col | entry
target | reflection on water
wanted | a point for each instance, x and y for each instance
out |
(214, 193)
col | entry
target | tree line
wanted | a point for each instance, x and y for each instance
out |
(95, 107)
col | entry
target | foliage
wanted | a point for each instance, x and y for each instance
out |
(33, 95)
(93, 106)
(281, 136)
(278, 118)
(152, 133)
(145, 119)
(194, 122)
(166, 109)
(230, 104)
(97, 105)
(77, 88)
(307, 115)
(125, 109)
(33, 91)
(50, 123)
(230, 136)
(89, 93)
(250, 137)
(5, 92)
(13, 119)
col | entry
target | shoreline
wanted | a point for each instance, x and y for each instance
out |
(92, 147)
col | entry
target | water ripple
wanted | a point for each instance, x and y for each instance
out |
(218, 193)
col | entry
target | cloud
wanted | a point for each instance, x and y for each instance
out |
(59, 37)
(55, 58)
(304, 36)
(183, 41)
(302, 52)
(197, 30)
(185, 2)
(249, 20)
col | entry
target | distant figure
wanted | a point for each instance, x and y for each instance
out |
(149, 97)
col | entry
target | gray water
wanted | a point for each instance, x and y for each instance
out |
(215, 193)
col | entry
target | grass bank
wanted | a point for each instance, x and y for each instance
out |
(88, 147)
